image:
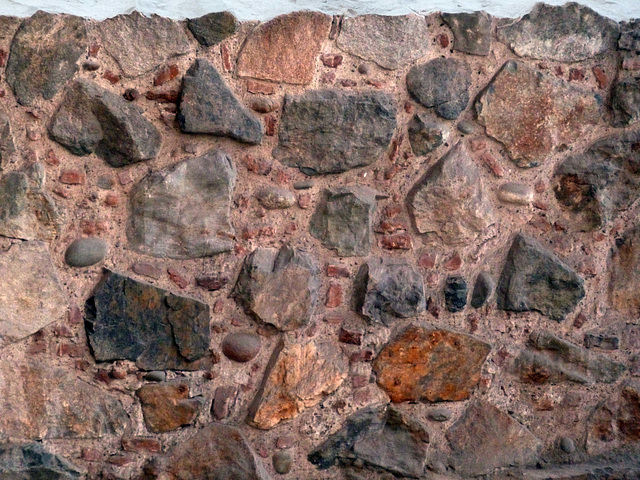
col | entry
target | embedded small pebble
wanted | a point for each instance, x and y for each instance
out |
(84, 252)
(567, 445)
(514, 192)
(263, 105)
(155, 376)
(282, 462)
(439, 415)
(455, 293)
(363, 69)
(303, 185)
(466, 127)
(482, 289)
(242, 346)
(275, 198)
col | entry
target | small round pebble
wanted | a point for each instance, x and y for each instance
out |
(84, 252)
(363, 69)
(567, 445)
(155, 376)
(305, 185)
(275, 198)
(241, 347)
(466, 127)
(439, 415)
(282, 462)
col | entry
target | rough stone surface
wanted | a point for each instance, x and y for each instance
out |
(167, 406)
(224, 399)
(568, 33)
(424, 135)
(625, 100)
(442, 84)
(32, 461)
(275, 198)
(534, 279)
(284, 49)
(282, 462)
(212, 28)
(533, 114)
(207, 105)
(430, 365)
(298, 376)
(7, 144)
(471, 32)
(482, 289)
(629, 412)
(279, 287)
(91, 119)
(183, 211)
(623, 271)
(241, 346)
(389, 41)
(329, 131)
(630, 36)
(450, 203)
(455, 293)
(127, 319)
(84, 252)
(343, 220)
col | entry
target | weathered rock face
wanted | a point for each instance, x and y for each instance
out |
(298, 376)
(279, 287)
(629, 412)
(139, 43)
(329, 131)
(630, 36)
(183, 211)
(91, 119)
(43, 55)
(212, 28)
(424, 135)
(623, 270)
(127, 319)
(7, 144)
(534, 279)
(450, 203)
(625, 100)
(389, 41)
(442, 84)
(471, 32)
(430, 365)
(594, 186)
(33, 461)
(568, 33)
(284, 49)
(533, 114)
(31, 296)
(207, 105)
(343, 220)
(486, 438)
(167, 406)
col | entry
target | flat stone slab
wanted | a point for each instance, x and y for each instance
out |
(471, 32)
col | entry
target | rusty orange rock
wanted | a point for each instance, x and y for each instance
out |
(167, 406)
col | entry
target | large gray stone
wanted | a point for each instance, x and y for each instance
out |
(183, 211)
(212, 28)
(32, 462)
(471, 32)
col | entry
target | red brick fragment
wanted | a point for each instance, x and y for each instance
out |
(177, 277)
(226, 58)
(94, 48)
(576, 75)
(259, 166)
(400, 241)
(346, 82)
(493, 165)
(337, 271)
(3, 57)
(146, 270)
(427, 260)
(350, 336)
(112, 200)
(141, 444)
(443, 40)
(72, 177)
(72, 350)
(558, 71)
(166, 74)
(365, 355)
(254, 86)
(211, 282)
(270, 123)
(112, 77)
(331, 60)
(453, 263)
(170, 96)
(125, 177)
(334, 296)
(601, 77)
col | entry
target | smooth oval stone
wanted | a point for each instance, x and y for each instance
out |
(567, 445)
(84, 252)
(466, 127)
(282, 462)
(155, 376)
(241, 346)
(514, 192)
(275, 198)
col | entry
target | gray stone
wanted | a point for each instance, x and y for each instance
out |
(482, 289)
(84, 252)
(155, 376)
(282, 462)
(439, 415)
(7, 145)
(139, 44)
(534, 279)
(605, 342)
(274, 198)
(568, 33)
(516, 193)
(241, 346)
(31, 295)
(343, 220)
(331, 131)
(43, 55)
(91, 119)
(183, 211)
(212, 28)
(630, 36)
(471, 32)
(466, 127)
(567, 445)
(32, 461)
(389, 41)
(424, 135)
(625, 102)
(442, 84)
(207, 105)
(455, 293)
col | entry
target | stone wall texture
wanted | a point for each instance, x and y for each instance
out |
(320, 247)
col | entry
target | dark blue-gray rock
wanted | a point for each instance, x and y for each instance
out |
(386, 289)
(241, 346)
(625, 102)
(84, 252)
(33, 462)
(630, 36)
(424, 135)
(568, 33)
(455, 293)
(131, 320)
(534, 279)
(605, 342)
(91, 119)
(212, 28)
(482, 289)
(183, 211)
(442, 84)
(279, 287)
(331, 131)
(275, 198)
(471, 32)
(343, 220)
(44, 55)
(7, 144)
(282, 462)
(207, 105)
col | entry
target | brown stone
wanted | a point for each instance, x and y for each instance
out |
(623, 270)
(167, 406)
(334, 296)
(629, 413)
(223, 401)
(241, 346)
(166, 74)
(431, 365)
(141, 444)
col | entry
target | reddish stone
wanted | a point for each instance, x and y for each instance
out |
(211, 283)
(365, 355)
(167, 406)
(146, 270)
(51, 158)
(631, 63)
(36, 348)
(259, 166)
(576, 75)
(558, 71)
(3, 57)
(328, 78)
(103, 376)
(601, 77)
(170, 96)
(223, 401)
(270, 123)
(359, 381)
(427, 260)
(226, 57)
(334, 319)
(91, 454)
(284, 442)
(166, 74)
(350, 336)
(119, 460)
(75, 315)
(492, 164)
(141, 444)
(71, 350)
(304, 201)
(374, 83)
(477, 144)
(331, 60)
(2, 92)
(392, 210)
(453, 263)
(72, 177)
(254, 86)
(111, 77)
(334, 296)
(400, 241)
(387, 226)
(177, 277)
(443, 40)
(63, 331)
(124, 177)
(112, 200)
(338, 271)
(346, 82)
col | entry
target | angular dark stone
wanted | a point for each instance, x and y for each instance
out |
(43, 55)
(241, 346)
(343, 220)
(455, 293)
(330, 131)
(127, 319)
(223, 400)
(471, 32)
(482, 289)
(32, 462)
(167, 406)
(534, 279)
(443, 84)
(91, 119)
(625, 102)
(605, 342)
(425, 136)
(212, 28)
(7, 145)
(84, 252)
(630, 36)
(207, 105)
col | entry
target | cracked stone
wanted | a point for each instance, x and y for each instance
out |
(471, 32)
(167, 406)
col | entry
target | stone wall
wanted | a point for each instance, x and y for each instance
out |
(320, 248)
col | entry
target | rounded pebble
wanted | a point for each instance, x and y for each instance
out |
(241, 347)
(84, 252)
(155, 376)
(275, 198)
(466, 127)
(363, 69)
(567, 445)
(282, 462)
(305, 185)
(439, 415)
(514, 192)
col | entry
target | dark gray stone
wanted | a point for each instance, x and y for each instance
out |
(630, 36)
(7, 145)
(91, 119)
(625, 102)
(84, 252)
(567, 445)
(424, 135)
(155, 376)
(534, 279)
(605, 342)
(127, 319)
(212, 28)
(331, 131)
(471, 32)
(33, 462)
(482, 289)
(241, 346)
(442, 84)
(207, 105)
(43, 55)
(439, 415)
(455, 293)
(282, 462)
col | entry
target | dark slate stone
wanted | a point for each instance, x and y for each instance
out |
(33, 462)
(442, 84)
(471, 32)
(43, 55)
(455, 293)
(625, 102)
(534, 279)
(424, 135)
(207, 105)
(331, 131)
(84, 252)
(91, 119)
(482, 289)
(212, 28)
(630, 36)
(127, 319)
